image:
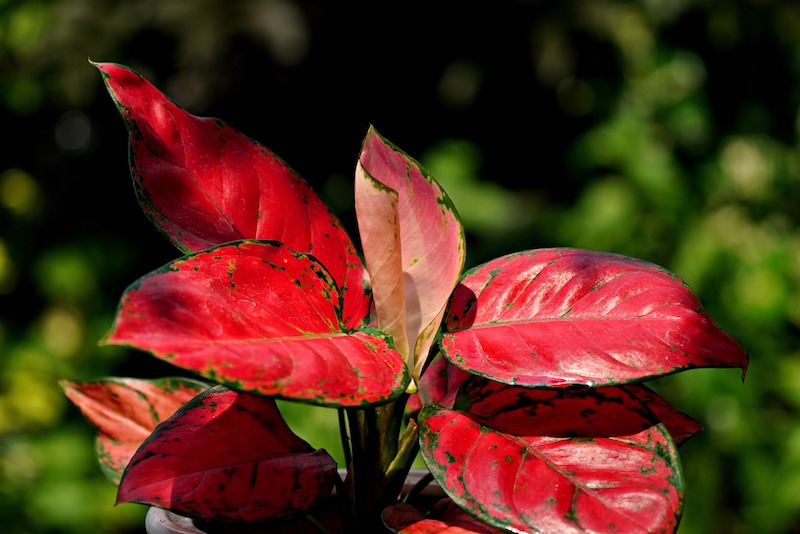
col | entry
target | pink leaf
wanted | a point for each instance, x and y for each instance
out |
(125, 411)
(444, 518)
(260, 317)
(228, 455)
(559, 317)
(203, 183)
(413, 244)
(610, 468)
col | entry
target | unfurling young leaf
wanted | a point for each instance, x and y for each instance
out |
(413, 244)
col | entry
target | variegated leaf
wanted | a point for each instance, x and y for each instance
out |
(259, 316)
(559, 317)
(125, 411)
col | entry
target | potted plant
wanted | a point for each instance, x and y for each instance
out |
(519, 382)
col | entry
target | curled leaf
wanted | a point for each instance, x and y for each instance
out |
(413, 243)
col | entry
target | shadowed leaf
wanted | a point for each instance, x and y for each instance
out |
(443, 518)
(439, 384)
(586, 412)
(228, 455)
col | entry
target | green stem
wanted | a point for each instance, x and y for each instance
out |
(355, 467)
(378, 459)
(346, 447)
(365, 471)
(421, 484)
(398, 468)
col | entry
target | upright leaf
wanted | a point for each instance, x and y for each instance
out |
(125, 411)
(259, 316)
(202, 183)
(558, 317)
(413, 244)
(228, 455)
(605, 468)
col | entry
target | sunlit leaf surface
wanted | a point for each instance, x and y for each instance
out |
(574, 460)
(203, 183)
(259, 316)
(557, 317)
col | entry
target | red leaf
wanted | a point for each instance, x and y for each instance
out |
(203, 183)
(595, 412)
(558, 317)
(228, 455)
(444, 518)
(540, 479)
(439, 384)
(413, 245)
(260, 317)
(125, 411)
(680, 425)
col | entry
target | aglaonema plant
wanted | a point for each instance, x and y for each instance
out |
(519, 382)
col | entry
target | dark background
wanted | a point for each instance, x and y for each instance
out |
(663, 130)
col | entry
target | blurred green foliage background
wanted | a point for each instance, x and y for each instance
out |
(662, 129)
